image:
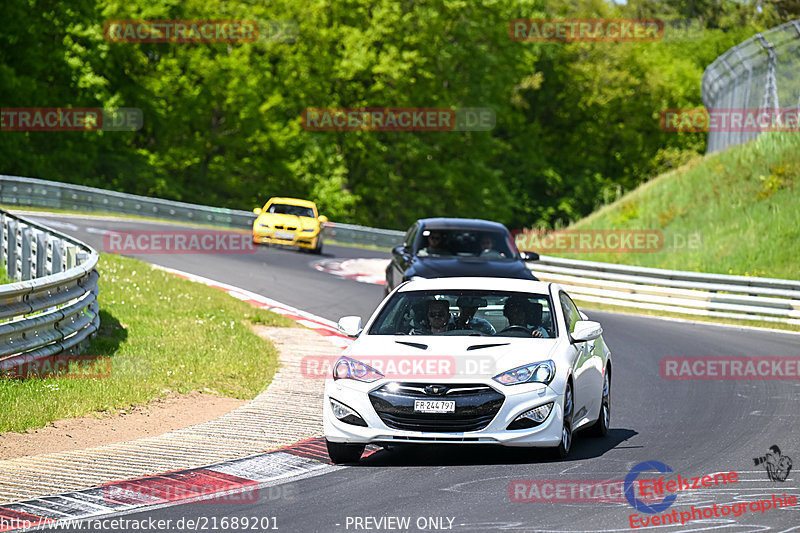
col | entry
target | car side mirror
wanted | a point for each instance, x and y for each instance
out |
(350, 326)
(323, 219)
(257, 210)
(586, 330)
(529, 256)
(400, 250)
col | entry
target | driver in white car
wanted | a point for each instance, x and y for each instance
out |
(438, 319)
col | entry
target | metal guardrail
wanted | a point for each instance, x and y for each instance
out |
(30, 192)
(350, 233)
(53, 308)
(760, 73)
(692, 293)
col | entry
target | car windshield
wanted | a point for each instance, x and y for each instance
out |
(466, 312)
(464, 243)
(287, 209)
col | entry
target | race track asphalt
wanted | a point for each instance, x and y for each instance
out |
(695, 427)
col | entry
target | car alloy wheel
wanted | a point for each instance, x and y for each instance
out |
(600, 428)
(566, 429)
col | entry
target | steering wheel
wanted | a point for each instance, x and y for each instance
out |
(516, 328)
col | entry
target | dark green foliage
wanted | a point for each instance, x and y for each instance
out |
(576, 123)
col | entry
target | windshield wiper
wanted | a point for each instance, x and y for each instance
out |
(413, 344)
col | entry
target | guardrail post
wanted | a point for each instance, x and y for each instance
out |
(71, 253)
(12, 254)
(27, 254)
(41, 253)
(57, 257)
(3, 249)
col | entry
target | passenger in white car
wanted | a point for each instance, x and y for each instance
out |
(438, 319)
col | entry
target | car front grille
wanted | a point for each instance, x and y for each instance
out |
(476, 406)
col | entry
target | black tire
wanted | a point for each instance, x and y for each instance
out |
(600, 428)
(318, 249)
(340, 452)
(562, 450)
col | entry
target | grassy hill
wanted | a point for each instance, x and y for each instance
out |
(734, 212)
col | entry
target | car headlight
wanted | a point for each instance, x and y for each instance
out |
(346, 414)
(346, 368)
(542, 372)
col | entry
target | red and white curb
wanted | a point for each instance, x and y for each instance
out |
(323, 326)
(372, 271)
(237, 482)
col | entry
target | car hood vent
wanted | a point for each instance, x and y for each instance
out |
(413, 344)
(479, 346)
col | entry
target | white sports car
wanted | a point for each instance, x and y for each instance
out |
(469, 360)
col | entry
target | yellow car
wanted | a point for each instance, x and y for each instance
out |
(289, 221)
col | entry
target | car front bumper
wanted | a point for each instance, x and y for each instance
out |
(301, 239)
(516, 401)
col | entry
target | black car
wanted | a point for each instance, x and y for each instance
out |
(450, 247)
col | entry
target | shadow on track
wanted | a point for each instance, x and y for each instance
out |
(404, 455)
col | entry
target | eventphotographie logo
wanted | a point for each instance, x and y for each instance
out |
(777, 466)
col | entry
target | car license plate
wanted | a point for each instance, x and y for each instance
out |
(288, 235)
(434, 406)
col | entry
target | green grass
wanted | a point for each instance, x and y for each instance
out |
(164, 334)
(735, 212)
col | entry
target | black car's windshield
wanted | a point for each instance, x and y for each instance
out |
(464, 243)
(466, 312)
(287, 209)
